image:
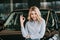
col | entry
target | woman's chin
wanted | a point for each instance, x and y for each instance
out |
(34, 19)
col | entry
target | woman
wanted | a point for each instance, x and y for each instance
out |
(35, 26)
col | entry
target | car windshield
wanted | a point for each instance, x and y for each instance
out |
(3, 18)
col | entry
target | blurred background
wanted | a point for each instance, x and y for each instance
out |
(10, 10)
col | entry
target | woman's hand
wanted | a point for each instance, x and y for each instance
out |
(22, 19)
(28, 36)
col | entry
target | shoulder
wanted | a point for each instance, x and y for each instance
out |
(43, 21)
(27, 22)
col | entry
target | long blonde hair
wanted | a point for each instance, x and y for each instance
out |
(34, 8)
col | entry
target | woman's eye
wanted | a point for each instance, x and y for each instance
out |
(31, 14)
(35, 13)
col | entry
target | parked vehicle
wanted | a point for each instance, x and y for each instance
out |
(12, 23)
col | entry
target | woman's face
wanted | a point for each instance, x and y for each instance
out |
(33, 15)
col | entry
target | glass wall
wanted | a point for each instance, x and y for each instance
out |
(5, 5)
(55, 5)
(4, 9)
(20, 6)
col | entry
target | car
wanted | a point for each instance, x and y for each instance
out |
(13, 23)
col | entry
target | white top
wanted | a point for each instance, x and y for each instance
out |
(35, 29)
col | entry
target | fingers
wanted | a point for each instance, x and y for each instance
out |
(22, 19)
(28, 36)
(21, 16)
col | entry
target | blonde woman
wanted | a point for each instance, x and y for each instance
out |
(35, 26)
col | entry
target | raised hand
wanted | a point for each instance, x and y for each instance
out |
(22, 19)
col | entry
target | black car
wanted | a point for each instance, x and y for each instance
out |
(13, 23)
